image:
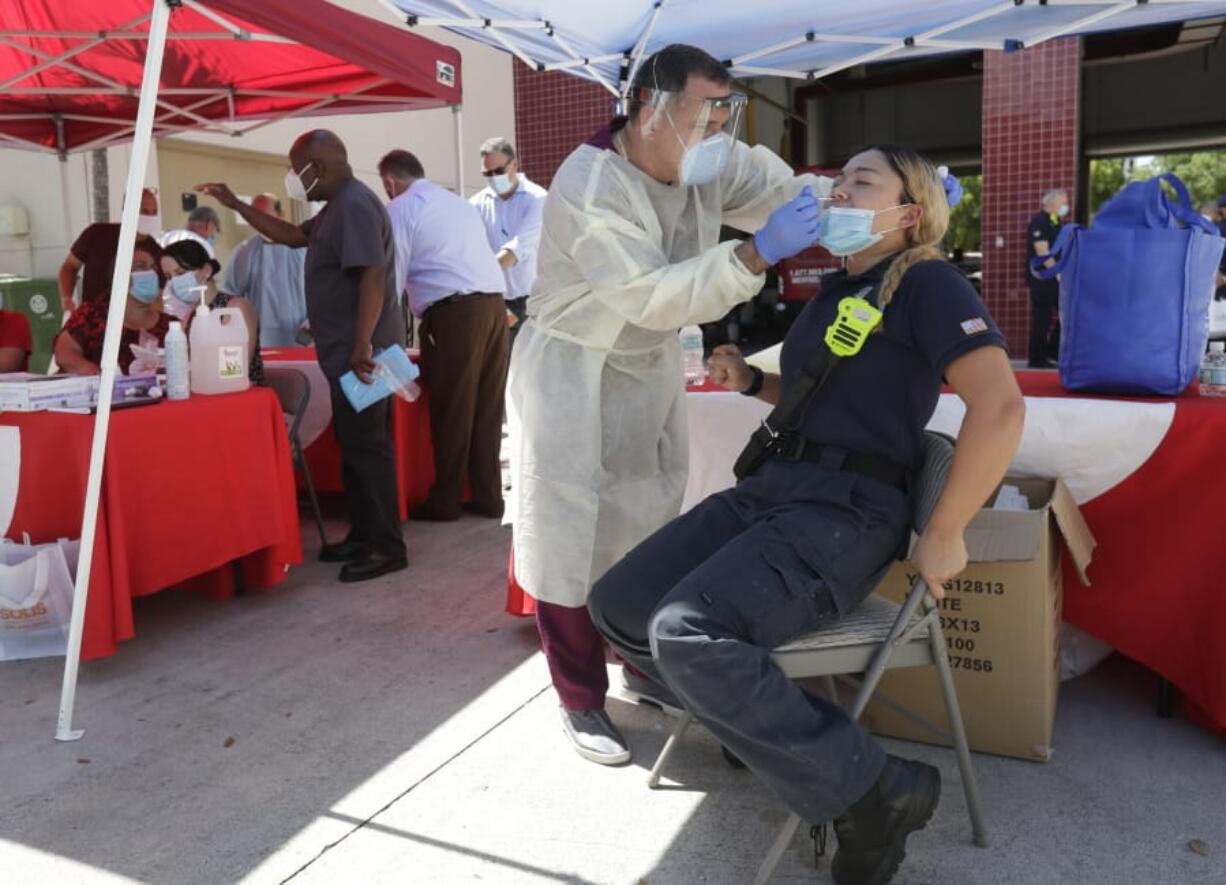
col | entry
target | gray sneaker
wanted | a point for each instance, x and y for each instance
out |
(595, 737)
(645, 691)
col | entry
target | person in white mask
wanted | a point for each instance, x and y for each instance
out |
(270, 275)
(511, 207)
(355, 311)
(629, 254)
(92, 256)
(1042, 231)
(191, 279)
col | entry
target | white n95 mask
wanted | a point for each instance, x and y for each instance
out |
(149, 225)
(294, 186)
(704, 161)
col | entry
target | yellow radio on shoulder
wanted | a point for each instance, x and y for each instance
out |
(854, 322)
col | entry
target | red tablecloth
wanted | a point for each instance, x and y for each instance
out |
(187, 489)
(410, 432)
(1157, 592)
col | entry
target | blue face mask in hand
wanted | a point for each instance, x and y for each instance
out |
(143, 285)
(181, 287)
(844, 231)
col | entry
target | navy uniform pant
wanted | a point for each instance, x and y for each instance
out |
(700, 604)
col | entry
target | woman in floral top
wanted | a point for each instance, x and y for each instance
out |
(78, 346)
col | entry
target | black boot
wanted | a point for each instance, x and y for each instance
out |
(873, 832)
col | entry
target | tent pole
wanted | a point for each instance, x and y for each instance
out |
(457, 112)
(110, 357)
(636, 54)
(65, 203)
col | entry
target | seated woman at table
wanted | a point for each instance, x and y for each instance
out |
(191, 275)
(78, 346)
(804, 538)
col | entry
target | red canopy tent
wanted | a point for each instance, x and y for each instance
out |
(70, 71)
(84, 74)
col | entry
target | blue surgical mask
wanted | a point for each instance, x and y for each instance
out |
(143, 285)
(844, 231)
(1063, 210)
(212, 238)
(182, 288)
(703, 162)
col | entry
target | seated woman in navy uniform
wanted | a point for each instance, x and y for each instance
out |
(804, 538)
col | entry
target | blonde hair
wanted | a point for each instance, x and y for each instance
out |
(922, 186)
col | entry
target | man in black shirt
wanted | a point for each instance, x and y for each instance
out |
(354, 311)
(1041, 235)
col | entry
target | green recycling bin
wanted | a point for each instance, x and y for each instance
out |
(39, 300)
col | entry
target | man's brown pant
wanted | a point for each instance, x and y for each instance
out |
(465, 352)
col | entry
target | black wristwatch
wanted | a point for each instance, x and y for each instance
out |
(755, 386)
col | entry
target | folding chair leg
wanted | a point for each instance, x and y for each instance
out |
(653, 779)
(832, 690)
(300, 456)
(954, 713)
(782, 841)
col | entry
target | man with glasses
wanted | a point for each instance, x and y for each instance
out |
(511, 207)
(629, 254)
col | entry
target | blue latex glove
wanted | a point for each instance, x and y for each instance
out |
(791, 228)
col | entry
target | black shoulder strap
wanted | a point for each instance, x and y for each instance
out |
(789, 412)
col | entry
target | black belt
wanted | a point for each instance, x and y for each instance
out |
(450, 299)
(793, 447)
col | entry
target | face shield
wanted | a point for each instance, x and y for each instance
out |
(706, 129)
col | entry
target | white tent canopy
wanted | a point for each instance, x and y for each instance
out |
(799, 39)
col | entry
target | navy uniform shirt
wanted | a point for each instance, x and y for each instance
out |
(879, 401)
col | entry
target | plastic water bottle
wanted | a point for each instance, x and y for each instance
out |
(692, 365)
(178, 384)
(1213, 370)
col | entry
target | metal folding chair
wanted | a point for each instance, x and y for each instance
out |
(293, 389)
(879, 635)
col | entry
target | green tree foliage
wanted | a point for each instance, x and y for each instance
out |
(1204, 173)
(964, 232)
(1107, 177)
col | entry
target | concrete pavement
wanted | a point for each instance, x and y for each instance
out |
(404, 732)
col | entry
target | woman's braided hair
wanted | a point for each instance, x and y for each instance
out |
(920, 185)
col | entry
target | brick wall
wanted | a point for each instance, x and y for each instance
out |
(555, 112)
(1031, 123)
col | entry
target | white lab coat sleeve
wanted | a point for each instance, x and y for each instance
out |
(756, 182)
(527, 239)
(629, 272)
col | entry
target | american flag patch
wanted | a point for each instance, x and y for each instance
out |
(975, 326)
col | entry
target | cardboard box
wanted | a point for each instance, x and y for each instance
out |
(1001, 619)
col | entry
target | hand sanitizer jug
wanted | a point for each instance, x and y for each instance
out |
(219, 358)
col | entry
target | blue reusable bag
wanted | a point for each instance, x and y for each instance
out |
(1135, 290)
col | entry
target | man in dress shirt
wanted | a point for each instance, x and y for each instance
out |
(511, 208)
(455, 287)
